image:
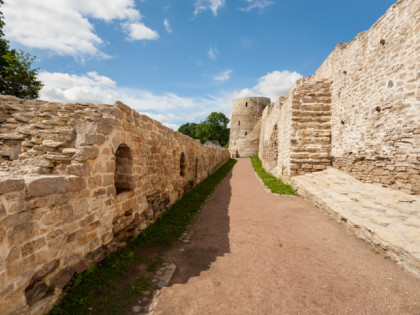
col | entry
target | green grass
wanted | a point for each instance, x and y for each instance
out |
(275, 185)
(99, 288)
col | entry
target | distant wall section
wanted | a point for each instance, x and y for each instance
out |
(295, 134)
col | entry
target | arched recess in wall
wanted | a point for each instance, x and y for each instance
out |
(182, 165)
(123, 176)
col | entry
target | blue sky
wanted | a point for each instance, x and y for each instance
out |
(178, 61)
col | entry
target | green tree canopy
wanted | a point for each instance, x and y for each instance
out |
(213, 128)
(16, 76)
(188, 129)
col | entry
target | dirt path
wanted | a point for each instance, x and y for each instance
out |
(256, 253)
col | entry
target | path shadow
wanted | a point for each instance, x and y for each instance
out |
(209, 238)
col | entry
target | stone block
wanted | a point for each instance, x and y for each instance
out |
(86, 153)
(44, 185)
(63, 277)
(76, 184)
(36, 292)
(14, 254)
(21, 233)
(45, 270)
(17, 218)
(30, 247)
(123, 107)
(11, 185)
(82, 265)
(99, 254)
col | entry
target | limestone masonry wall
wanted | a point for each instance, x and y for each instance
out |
(376, 100)
(360, 111)
(296, 131)
(78, 181)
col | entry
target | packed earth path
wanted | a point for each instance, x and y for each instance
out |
(251, 252)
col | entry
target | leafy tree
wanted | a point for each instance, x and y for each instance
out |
(213, 128)
(204, 132)
(188, 129)
(16, 76)
(219, 129)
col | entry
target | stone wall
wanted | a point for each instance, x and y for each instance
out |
(376, 100)
(80, 180)
(296, 131)
(245, 126)
(359, 112)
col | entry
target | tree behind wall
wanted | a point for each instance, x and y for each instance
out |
(16, 76)
(213, 128)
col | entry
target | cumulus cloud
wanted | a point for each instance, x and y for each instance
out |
(256, 4)
(64, 26)
(203, 5)
(167, 25)
(273, 85)
(169, 108)
(139, 31)
(224, 76)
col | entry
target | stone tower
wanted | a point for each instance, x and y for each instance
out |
(245, 126)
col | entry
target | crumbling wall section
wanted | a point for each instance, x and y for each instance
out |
(78, 181)
(296, 131)
(376, 100)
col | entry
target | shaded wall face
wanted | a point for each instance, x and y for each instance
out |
(375, 101)
(85, 179)
(296, 131)
(245, 126)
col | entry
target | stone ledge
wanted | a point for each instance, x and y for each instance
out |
(386, 218)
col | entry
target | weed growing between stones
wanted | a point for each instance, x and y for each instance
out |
(275, 185)
(109, 287)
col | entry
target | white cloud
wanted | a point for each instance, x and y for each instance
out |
(66, 87)
(213, 53)
(224, 76)
(256, 4)
(169, 108)
(273, 85)
(167, 25)
(139, 31)
(203, 5)
(64, 26)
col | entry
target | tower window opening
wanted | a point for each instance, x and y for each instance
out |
(246, 104)
(182, 165)
(239, 123)
(123, 164)
(246, 133)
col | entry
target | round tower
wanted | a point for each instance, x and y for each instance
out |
(245, 126)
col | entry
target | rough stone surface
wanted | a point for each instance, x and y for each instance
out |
(44, 185)
(83, 179)
(386, 218)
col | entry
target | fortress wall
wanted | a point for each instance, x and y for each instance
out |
(296, 131)
(76, 182)
(376, 100)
